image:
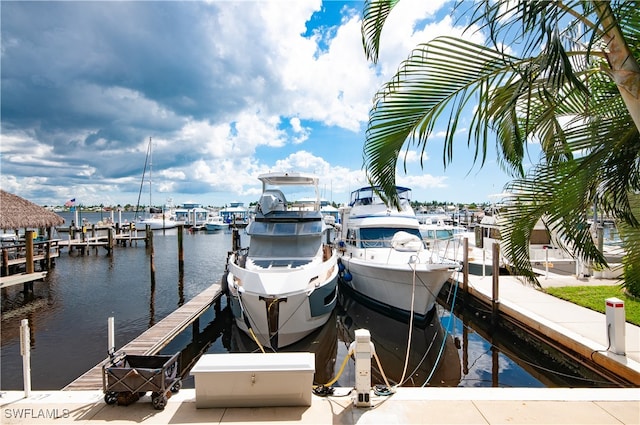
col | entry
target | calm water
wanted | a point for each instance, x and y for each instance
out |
(68, 319)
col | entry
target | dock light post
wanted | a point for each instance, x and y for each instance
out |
(25, 350)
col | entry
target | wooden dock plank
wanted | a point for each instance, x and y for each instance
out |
(39, 257)
(151, 341)
(15, 279)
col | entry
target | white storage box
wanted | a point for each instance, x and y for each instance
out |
(254, 379)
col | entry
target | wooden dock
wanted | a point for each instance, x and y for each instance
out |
(86, 242)
(21, 258)
(16, 279)
(155, 338)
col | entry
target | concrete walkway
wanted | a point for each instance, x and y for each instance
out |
(407, 406)
(581, 329)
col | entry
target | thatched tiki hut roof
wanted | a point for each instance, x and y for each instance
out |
(18, 213)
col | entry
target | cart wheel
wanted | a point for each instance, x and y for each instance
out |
(111, 397)
(159, 402)
(176, 386)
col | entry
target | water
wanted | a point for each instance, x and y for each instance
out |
(69, 311)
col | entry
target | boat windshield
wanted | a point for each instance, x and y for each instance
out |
(369, 196)
(380, 237)
(262, 228)
(440, 234)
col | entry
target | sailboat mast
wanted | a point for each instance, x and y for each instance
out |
(150, 168)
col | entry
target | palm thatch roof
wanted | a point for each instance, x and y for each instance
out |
(18, 213)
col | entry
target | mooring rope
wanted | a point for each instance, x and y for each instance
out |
(413, 296)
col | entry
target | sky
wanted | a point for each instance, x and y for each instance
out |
(225, 91)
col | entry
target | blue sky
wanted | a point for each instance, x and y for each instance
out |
(227, 90)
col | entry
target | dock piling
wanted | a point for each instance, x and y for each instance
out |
(180, 252)
(465, 266)
(495, 298)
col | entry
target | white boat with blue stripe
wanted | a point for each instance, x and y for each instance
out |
(383, 259)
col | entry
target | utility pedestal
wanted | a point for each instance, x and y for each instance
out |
(363, 353)
(616, 325)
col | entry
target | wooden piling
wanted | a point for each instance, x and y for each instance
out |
(465, 266)
(5, 262)
(110, 241)
(180, 252)
(152, 265)
(495, 297)
(235, 239)
(48, 260)
(28, 242)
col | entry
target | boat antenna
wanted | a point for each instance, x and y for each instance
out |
(144, 170)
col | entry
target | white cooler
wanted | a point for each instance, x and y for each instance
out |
(254, 379)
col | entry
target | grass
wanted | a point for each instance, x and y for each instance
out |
(593, 297)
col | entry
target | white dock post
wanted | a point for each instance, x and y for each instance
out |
(25, 350)
(546, 263)
(363, 353)
(484, 256)
(615, 325)
(111, 349)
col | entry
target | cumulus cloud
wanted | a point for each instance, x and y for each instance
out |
(225, 90)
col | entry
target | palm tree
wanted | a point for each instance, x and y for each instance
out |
(573, 87)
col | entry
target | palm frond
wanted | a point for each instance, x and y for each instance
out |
(374, 15)
(439, 77)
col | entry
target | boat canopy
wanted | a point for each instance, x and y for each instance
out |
(288, 179)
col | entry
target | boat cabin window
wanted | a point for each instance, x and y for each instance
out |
(380, 237)
(289, 249)
(274, 228)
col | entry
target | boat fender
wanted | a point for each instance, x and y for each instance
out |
(347, 276)
(340, 266)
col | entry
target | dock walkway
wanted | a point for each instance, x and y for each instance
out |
(155, 338)
(469, 406)
(580, 329)
(101, 241)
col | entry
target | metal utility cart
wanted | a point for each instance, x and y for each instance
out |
(130, 376)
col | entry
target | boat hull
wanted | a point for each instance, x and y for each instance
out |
(276, 316)
(216, 227)
(155, 224)
(404, 287)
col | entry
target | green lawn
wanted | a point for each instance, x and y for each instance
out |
(593, 297)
